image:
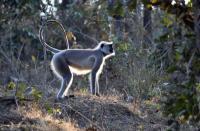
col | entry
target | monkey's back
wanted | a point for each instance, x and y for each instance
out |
(82, 59)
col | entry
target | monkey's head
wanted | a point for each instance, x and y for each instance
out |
(107, 48)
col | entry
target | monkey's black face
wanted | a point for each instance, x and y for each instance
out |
(107, 48)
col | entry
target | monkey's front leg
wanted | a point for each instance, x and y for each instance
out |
(94, 85)
(62, 89)
(97, 85)
(92, 82)
(65, 85)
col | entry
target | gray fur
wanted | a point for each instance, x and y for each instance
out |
(80, 62)
(66, 63)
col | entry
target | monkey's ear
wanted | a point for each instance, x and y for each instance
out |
(102, 45)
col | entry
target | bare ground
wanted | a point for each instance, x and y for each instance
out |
(84, 112)
(110, 113)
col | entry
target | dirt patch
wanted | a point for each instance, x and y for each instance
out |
(107, 114)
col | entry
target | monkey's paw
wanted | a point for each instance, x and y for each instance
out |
(97, 94)
(69, 96)
(60, 99)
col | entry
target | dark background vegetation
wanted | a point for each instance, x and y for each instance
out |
(153, 82)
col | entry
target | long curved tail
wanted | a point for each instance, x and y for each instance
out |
(51, 49)
(63, 29)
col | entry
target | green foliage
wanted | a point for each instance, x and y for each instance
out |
(52, 110)
(198, 87)
(123, 47)
(117, 9)
(20, 90)
(132, 5)
(11, 86)
(166, 21)
(83, 90)
(181, 103)
(176, 54)
(37, 95)
(18, 27)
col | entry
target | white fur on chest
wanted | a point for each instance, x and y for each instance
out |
(101, 67)
(79, 71)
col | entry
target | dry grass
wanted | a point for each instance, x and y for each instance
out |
(84, 112)
(30, 117)
(47, 122)
(103, 98)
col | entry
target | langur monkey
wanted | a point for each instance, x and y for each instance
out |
(66, 63)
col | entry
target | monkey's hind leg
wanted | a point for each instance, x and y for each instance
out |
(65, 85)
(68, 86)
(66, 79)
